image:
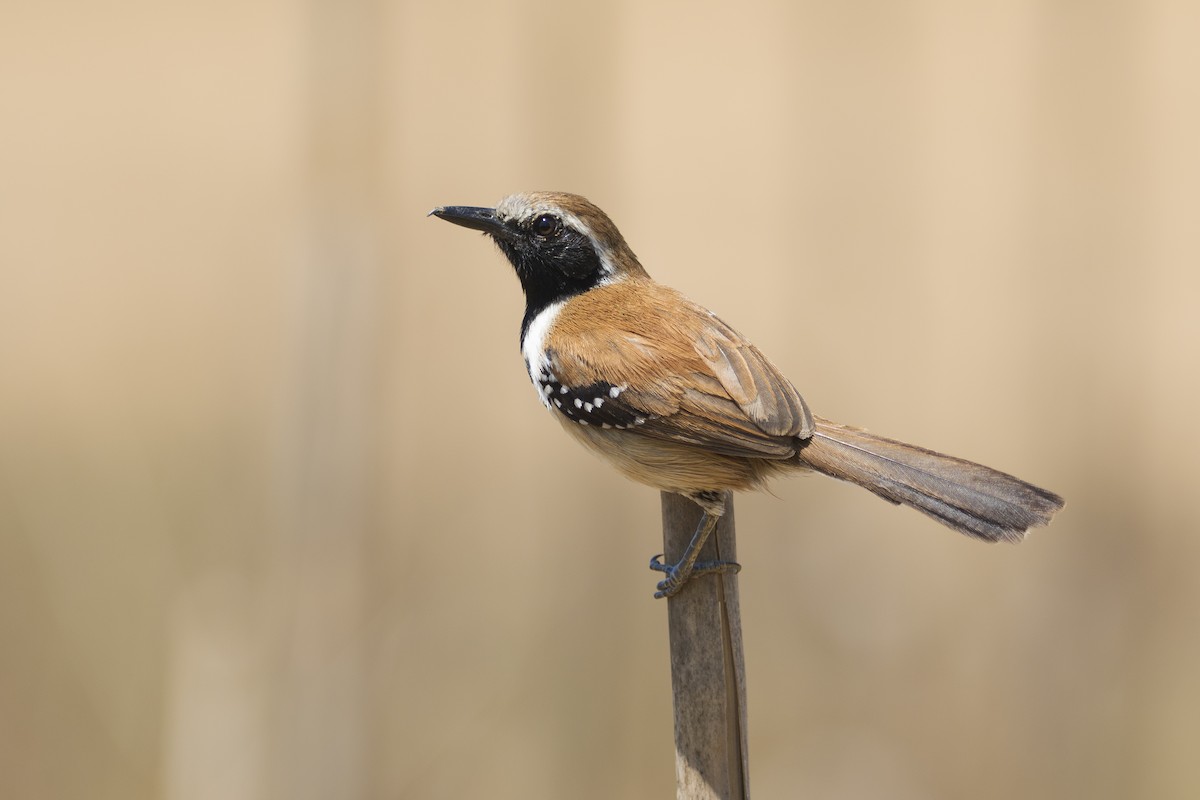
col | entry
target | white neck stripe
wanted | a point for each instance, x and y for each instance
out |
(534, 346)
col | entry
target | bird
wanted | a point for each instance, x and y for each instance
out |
(676, 399)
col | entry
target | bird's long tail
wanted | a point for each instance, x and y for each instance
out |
(968, 497)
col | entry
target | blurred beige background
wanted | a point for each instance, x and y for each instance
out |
(280, 516)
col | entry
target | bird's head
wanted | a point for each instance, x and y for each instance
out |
(559, 244)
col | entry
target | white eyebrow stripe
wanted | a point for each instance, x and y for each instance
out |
(572, 221)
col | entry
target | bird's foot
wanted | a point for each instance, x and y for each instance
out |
(679, 574)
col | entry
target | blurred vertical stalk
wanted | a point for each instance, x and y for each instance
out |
(266, 670)
(318, 712)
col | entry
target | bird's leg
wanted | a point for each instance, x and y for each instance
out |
(687, 567)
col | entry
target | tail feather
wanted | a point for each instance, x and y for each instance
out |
(968, 497)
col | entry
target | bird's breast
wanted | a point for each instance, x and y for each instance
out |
(593, 402)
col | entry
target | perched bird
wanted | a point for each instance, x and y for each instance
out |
(676, 399)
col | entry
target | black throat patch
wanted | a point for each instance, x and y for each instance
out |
(552, 270)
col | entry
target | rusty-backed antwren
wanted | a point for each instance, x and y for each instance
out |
(676, 399)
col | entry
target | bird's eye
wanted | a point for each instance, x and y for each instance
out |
(545, 225)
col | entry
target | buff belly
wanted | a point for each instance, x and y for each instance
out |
(674, 466)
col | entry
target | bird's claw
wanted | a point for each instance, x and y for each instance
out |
(677, 576)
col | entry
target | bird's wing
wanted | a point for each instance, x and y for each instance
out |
(753, 382)
(671, 370)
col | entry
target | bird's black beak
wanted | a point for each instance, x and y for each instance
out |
(481, 219)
